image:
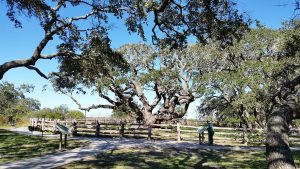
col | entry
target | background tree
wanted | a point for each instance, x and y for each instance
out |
(61, 112)
(48, 113)
(13, 102)
(248, 81)
(242, 76)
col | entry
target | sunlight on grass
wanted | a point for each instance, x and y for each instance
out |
(170, 158)
(151, 157)
(15, 146)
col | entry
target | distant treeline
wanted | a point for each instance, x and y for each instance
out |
(16, 107)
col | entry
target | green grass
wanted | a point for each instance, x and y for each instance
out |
(15, 146)
(155, 157)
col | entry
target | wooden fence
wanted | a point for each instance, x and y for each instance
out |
(114, 128)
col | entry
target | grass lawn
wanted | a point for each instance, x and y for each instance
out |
(155, 157)
(15, 146)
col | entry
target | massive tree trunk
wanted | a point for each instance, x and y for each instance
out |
(279, 155)
(149, 118)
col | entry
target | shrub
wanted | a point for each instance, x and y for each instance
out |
(74, 114)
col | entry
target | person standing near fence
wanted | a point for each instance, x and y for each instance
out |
(211, 132)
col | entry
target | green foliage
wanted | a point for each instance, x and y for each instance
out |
(49, 114)
(143, 69)
(96, 53)
(203, 19)
(61, 112)
(249, 72)
(123, 112)
(36, 8)
(87, 60)
(119, 114)
(13, 102)
(74, 114)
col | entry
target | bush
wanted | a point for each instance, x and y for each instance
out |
(58, 113)
(74, 114)
(3, 120)
(49, 114)
(23, 120)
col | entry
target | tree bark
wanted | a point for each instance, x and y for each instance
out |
(279, 155)
(149, 118)
(245, 124)
(245, 134)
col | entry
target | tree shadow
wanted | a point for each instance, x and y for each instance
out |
(14, 146)
(153, 157)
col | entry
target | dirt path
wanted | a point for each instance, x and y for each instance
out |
(99, 145)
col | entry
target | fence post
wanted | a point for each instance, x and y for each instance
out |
(97, 128)
(178, 132)
(43, 124)
(201, 138)
(54, 124)
(74, 128)
(66, 143)
(122, 125)
(245, 135)
(149, 132)
(60, 141)
(35, 123)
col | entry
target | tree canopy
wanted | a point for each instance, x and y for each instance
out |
(84, 51)
(167, 75)
(252, 70)
(173, 22)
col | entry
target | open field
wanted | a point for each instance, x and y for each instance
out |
(15, 146)
(155, 157)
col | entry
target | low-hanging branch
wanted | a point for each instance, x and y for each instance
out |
(54, 26)
(38, 71)
(105, 106)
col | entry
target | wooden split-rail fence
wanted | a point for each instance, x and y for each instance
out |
(119, 128)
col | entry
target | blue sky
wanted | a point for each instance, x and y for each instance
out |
(20, 43)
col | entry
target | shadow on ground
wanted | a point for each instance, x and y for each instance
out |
(156, 157)
(15, 146)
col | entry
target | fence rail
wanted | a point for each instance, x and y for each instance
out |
(156, 131)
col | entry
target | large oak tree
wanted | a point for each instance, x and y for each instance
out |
(156, 85)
